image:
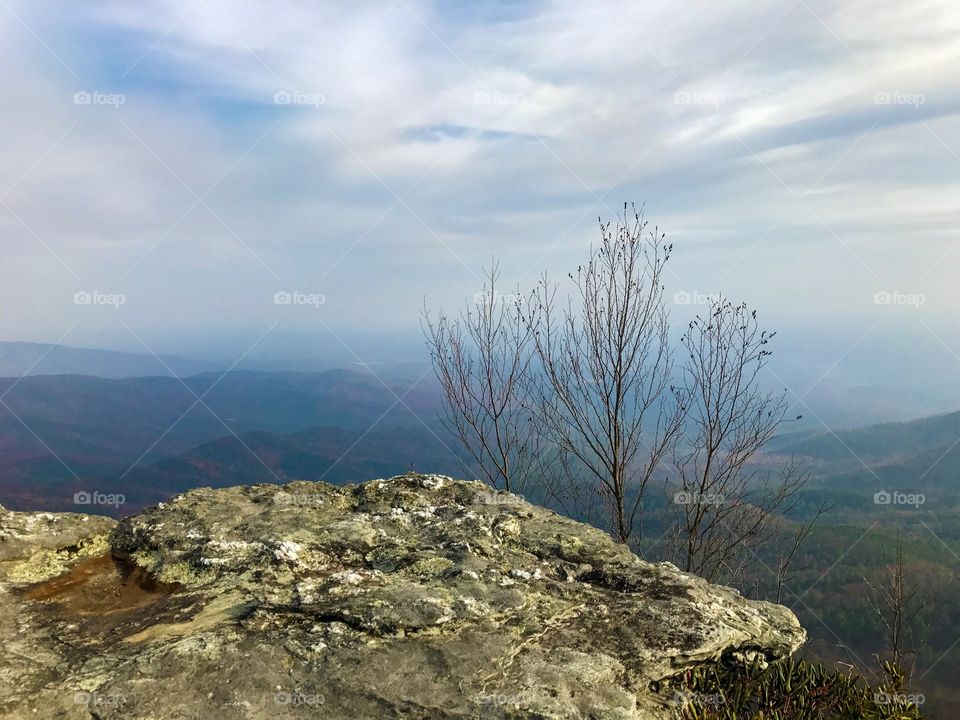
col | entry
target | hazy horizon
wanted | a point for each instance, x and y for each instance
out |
(294, 182)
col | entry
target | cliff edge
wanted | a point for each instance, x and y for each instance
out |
(414, 597)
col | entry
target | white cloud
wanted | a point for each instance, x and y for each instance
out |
(738, 124)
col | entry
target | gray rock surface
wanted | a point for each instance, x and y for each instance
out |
(413, 597)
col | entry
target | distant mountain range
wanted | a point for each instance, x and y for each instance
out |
(68, 431)
(331, 454)
(848, 467)
(150, 436)
(18, 359)
(916, 456)
(23, 358)
(874, 443)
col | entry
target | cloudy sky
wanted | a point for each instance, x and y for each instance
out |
(191, 159)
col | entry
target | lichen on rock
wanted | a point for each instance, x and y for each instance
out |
(417, 596)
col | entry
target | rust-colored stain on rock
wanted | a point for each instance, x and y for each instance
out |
(100, 586)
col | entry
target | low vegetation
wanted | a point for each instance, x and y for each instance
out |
(794, 690)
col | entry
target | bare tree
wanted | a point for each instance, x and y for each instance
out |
(724, 505)
(897, 602)
(604, 372)
(787, 558)
(481, 360)
(575, 398)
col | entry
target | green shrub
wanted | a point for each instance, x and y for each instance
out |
(792, 690)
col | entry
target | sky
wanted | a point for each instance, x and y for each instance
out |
(215, 178)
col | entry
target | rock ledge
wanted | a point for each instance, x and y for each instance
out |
(413, 597)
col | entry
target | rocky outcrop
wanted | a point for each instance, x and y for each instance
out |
(413, 597)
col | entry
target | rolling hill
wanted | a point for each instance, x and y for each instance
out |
(59, 430)
(24, 358)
